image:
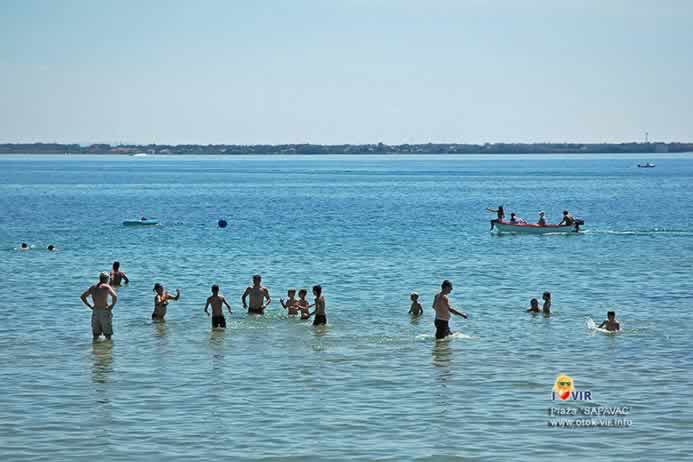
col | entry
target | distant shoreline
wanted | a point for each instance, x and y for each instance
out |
(348, 149)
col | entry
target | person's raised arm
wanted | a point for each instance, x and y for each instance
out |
(245, 295)
(177, 295)
(84, 298)
(114, 297)
(281, 302)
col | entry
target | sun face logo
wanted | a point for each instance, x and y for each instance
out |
(563, 386)
(564, 389)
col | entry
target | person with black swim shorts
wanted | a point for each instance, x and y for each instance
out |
(441, 305)
(319, 304)
(259, 296)
(217, 301)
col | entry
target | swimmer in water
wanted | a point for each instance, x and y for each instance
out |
(611, 324)
(303, 304)
(217, 301)
(101, 311)
(51, 247)
(258, 294)
(415, 309)
(118, 276)
(161, 301)
(24, 246)
(534, 306)
(319, 304)
(291, 304)
(441, 305)
(546, 296)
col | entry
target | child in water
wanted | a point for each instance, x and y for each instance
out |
(161, 301)
(217, 301)
(534, 306)
(547, 303)
(303, 304)
(291, 304)
(610, 324)
(416, 309)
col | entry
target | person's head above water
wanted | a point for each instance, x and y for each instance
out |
(291, 292)
(104, 277)
(565, 212)
(24, 245)
(414, 296)
(116, 265)
(257, 279)
(534, 303)
(215, 289)
(158, 288)
(302, 293)
(611, 315)
(546, 295)
(446, 286)
(51, 247)
(317, 290)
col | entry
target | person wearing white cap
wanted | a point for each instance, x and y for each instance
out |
(101, 311)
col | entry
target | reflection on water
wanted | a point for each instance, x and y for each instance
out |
(159, 328)
(102, 361)
(442, 353)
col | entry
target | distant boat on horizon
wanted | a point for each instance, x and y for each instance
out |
(647, 165)
(140, 154)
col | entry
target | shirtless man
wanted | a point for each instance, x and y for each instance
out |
(118, 276)
(320, 318)
(258, 295)
(217, 301)
(441, 305)
(101, 311)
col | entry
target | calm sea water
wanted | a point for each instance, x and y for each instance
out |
(373, 385)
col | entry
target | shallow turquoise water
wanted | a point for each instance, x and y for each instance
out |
(373, 385)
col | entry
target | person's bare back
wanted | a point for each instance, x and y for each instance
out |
(99, 295)
(217, 303)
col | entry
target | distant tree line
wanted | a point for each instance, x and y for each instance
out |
(379, 148)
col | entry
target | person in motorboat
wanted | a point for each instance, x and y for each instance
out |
(567, 220)
(514, 219)
(542, 219)
(500, 213)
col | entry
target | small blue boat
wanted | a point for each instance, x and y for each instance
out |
(141, 222)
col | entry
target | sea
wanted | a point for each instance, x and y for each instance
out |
(374, 384)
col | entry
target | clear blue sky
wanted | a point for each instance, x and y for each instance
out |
(350, 71)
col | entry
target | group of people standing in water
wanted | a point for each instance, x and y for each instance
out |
(255, 299)
(567, 220)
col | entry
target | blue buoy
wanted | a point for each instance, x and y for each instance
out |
(222, 223)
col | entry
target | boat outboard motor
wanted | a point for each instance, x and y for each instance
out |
(578, 222)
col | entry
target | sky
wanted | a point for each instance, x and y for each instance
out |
(349, 71)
